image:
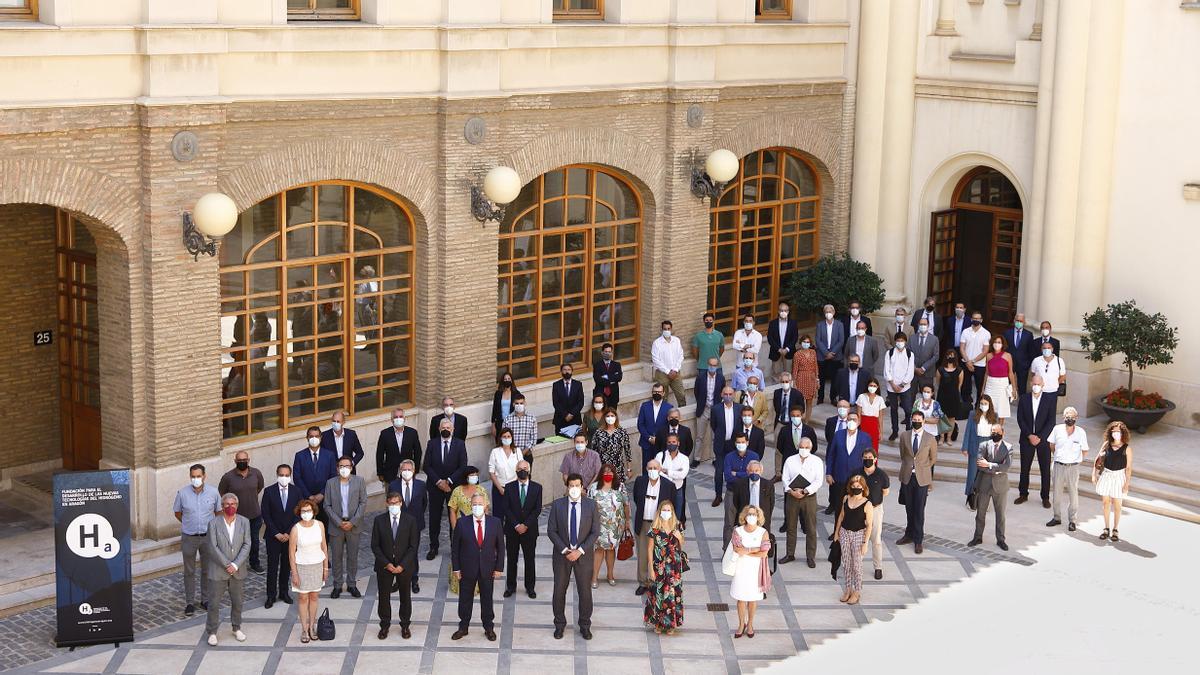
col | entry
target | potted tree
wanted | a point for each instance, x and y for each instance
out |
(837, 280)
(1144, 340)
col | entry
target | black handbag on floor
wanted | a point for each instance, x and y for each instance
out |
(325, 629)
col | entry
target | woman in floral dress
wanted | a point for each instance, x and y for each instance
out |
(613, 506)
(804, 374)
(611, 442)
(664, 599)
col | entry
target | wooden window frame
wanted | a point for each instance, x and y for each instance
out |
(352, 13)
(28, 12)
(580, 14)
(289, 348)
(620, 293)
(761, 14)
(728, 319)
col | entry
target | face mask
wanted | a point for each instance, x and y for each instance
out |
(519, 407)
(856, 491)
(806, 345)
(786, 386)
(829, 316)
(926, 395)
(1048, 353)
(997, 346)
(406, 474)
(899, 318)
(283, 481)
(597, 406)
(1070, 421)
(508, 383)
(805, 452)
(923, 328)
(872, 389)
(853, 311)
(976, 322)
(477, 510)
(242, 465)
(752, 520)
(656, 396)
(842, 412)
(853, 366)
(344, 471)
(606, 356)
(610, 420)
(1037, 388)
(608, 477)
(449, 410)
(580, 447)
(1045, 332)
(727, 398)
(741, 448)
(748, 325)
(959, 312)
(314, 442)
(929, 306)
(674, 421)
(797, 420)
(747, 421)
(868, 463)
(523, 474)
(783, 314)
(652, 474)
(754, 477)
(473, 480)
(230, 510)
(861, 332)
(708, 324)
(748, 362)
(665, 514)
(984, 407)
(714, 369)
(445, 433)
(337, 426)
(666, 334)
(574, 492)
(852, 425)
(306, 515)
(900, 344)
(1116, 436)
(996, 437)
(197, 482)
(1018, 325)
(506, 441)
(398, 422)
(394, 509)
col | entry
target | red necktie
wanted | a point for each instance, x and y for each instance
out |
(479, 532)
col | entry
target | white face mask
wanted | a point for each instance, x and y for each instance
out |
(574, 492)
(666, 334)
(748, 362)
(829, 316)
(580, 447)
(477, 510)
(997, 346)
(797, 420)
(1045, 332)
(306, 515)
(842, 412)
(406, 474)
(344, 471)
(597, 406)
(1048, 353)
(853, 311)
(449, 410)
(741, 448)
(786, 386)
(314, 442)
(872, 389)
(519, 407)
(752, 520)
(984, 407)
(805, 452)
(747, 421)
(806, 345)
(960, 312)
(610, 420)
(505, 441)
(1116, 436)
(926, 395)
(197, 482)
(1037, 388)
(394, 509)
(652, 474)
(473, 480)
(899, 318)
(283, 481)
(398, 422)
(337, 426)
(861, 332)
(666, 514)
(923, 328)
(851, 425)
(748, 325)
(900, 345)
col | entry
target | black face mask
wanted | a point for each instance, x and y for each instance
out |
(508, 383)
(672, 448)
(656, 397)
(566, 376)
(1070, 421)
(856, 491)
(929, 307)
(445, 433)
(523, 474)
(754, 476)
(708, 324)
(853, 366)
(975, 322)
(674, 423)
(242, 465)
(996, 438)
(868, 463)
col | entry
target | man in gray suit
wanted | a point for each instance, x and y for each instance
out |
(918, 453)
(228, 544)
(573, 527)
(868, 349)
(346, 507)
(991, 482)
(925, 349)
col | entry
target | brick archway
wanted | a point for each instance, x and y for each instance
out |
(595, 146)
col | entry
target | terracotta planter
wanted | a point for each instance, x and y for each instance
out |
(1138, 420)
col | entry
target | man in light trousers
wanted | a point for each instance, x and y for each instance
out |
(1069, 448)
(346, 506)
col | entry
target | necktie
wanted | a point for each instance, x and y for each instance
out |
(407, 491)
(574, 528)
(796, 436)
(522, 494)
(445, 450)
(395, 524)
(1016, 338)
(479, 532)
(314, 457)
(283, 497)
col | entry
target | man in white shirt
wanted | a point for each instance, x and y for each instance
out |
(675, 467)
(973, 350)
(1068, 443)
(801, 502)
(666, 355)
(747, 338)
(898, 373)
(1049, 367)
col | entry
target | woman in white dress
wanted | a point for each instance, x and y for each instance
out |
(310, 566)
(751, 580)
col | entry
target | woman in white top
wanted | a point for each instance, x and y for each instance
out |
(748, 338)
(310, 566)
(751, 579)
(931, 409)
(502, 467)
(870, 407)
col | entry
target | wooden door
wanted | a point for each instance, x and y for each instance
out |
(943, 237)
(1006, 268)
(78, 351)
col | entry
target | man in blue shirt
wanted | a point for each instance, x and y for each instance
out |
(741, 376)
(736, 463)
(195, 505)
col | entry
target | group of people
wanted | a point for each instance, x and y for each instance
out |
(314, 515)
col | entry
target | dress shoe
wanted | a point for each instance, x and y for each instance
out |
(716, 501)
(1046, 503)
(1021, 500)
(285, 599)
(416, 588)
(904, 540)
(585, 633)
(918, 549)
(490, 635)
(783, 528)
(204, 605)
(558, 633)
(786, 559)
(459, 634)
(269, 603)
(954, 434)
(405, 632)
(975, 542)
(811, 563)
(641, 590)
(354, 592)
(695, 463)
(1071, 527)
(508, 592)
(337, 592)
(532, 593)
(894, 436)
(431, 555)
(878, 574)
(383, 632)
(1002, 545)
(1054, 522)
(189, 610)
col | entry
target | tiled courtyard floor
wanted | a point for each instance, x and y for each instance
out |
(801, 611)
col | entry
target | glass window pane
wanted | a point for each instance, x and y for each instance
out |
(300, 243)
(553, 184)
(254, 225)
(331, 202)
(386, 222)
(332, 239)
(299, 206)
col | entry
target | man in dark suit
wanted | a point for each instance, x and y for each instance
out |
(851, 380)
(836, 422)
(445, 467)
(918, 453)
(458, 420)
(953, 327)
(394, 540)
(673, 426)
(396, 444)
(724, 418)
(784, 399)
(651, 415)
(843, 459)
(342, 441)
(649, 490)
(754, 435)
(926, 351)
(477, 558)
(572, 528)
(606, 373)
(524, 506)
(991, 484)
(278, 509)
(312, 468)
(853, 318)
(414, 494)
(567, 397)
(867, 348)
(929, 313)
(787, 443)
(709, 383)
(1019, 341)
(753, 490)
(781, 338)
(1036, 412)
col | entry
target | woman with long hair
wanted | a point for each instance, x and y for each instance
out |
(611, 442)
(978, 429)
(664, 597)
(612, 505)
(949, 393)
(870, 406)
(804, 373)
(1001, 381)
(751, 579)
(593, 419)
(1111, 475)
(502, 400)
(853, 531)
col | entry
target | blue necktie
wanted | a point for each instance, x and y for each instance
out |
(574, 528)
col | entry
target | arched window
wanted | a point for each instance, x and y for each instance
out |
(568, 271)
(764, 226)
(316, 307)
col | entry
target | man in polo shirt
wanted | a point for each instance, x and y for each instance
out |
(247, 483)
(195, 505)
(709, 343)
(1069, 445)
(973, 350)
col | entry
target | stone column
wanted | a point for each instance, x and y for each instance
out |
(1039, 11)
(868, 129)
(1035, 210)
(945, 19)
(1062, 178)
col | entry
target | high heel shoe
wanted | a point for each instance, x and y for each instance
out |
(749, 631)
(740, 632)
(1104, 534)
(304, 637)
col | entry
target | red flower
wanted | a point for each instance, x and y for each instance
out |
(1136, 399)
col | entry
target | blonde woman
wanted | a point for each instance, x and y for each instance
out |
(1111, 475)
(309, 557)
(751, 580)
(664, 597)
(853, 530)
